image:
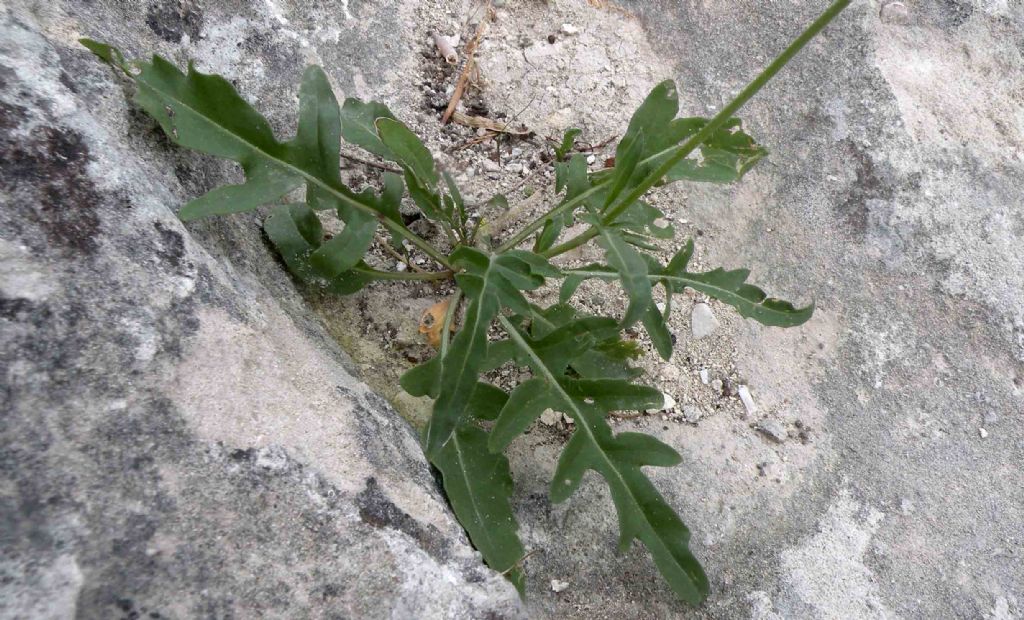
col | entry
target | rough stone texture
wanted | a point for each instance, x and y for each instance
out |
(179, 437)
(160, 445)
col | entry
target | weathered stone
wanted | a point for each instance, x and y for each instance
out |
(702, 321)
(180, 438)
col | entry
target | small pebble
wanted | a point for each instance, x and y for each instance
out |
(895, 13)
(569, 29)
(567, 419)
(748, 402)
(550, 417)
(590, 160)
(400, 266)
(983, 433)
(670, 403)
(558, 585)
(692, 414)
(716, 385)
(705, 376)
(703, 322)
(772, 430)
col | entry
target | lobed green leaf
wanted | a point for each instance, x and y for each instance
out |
(643, 512)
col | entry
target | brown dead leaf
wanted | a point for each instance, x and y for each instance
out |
(432, 321)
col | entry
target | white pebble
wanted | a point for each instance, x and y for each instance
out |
(745, 398)
(895, 13)
(590, 160)
(569, 29)
(558, 585)
(702, 321)
(550, 417)
(705, 376)
(670, 403)
(983, 433)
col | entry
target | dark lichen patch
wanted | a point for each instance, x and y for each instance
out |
(47, 173)
(172, 19)
(11, 115)
(171, 244)
(377, 510)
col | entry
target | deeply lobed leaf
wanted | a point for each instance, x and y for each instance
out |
(643, 513)
(730, 287)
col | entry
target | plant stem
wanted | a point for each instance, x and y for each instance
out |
(449, 318)
(410, 236)
(396, 275)
(687, 147)
(536, 224)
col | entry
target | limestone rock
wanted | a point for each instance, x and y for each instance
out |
(180, 437)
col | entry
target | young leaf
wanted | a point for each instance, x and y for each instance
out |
(643, 512)
(489, 283)
(568, 141)
(359, 126)
(725, 157)
(632, 271)
(726, 286)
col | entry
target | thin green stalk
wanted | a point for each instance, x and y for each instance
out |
(683, 150)
(449, 318)
(413, 238)
(377, 274)
(536, 224)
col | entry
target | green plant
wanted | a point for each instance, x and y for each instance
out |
(580, 364)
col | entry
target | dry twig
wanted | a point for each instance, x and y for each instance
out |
(467, 70)
(482, 122)
(372, 164)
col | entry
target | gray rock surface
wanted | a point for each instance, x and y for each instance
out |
(179, 437)
(171, 421)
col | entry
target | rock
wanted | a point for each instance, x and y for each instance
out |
(983, 433)
(692, 414)
(894, 13)
(702, 321)
(747, 400)
(670, 403)
(569, 29)
(181, 437)
(716, 386)
(558, 585)
(772, 430)
(550, 417)
(705, 376)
